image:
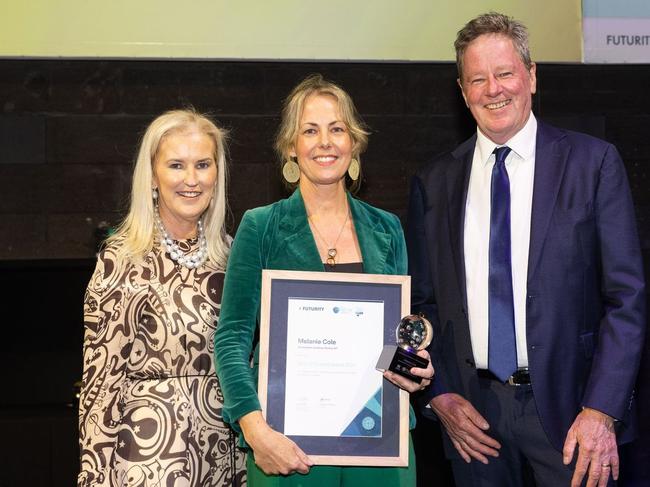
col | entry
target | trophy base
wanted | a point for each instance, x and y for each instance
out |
(400, 361)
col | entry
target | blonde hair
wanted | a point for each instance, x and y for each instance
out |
(134, 237)
(293, 106)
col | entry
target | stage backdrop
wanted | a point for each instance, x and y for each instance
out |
(616, 31)
(408, 30)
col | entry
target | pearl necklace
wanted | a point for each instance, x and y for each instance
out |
(191, 261)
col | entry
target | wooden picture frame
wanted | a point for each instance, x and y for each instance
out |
(319, 332)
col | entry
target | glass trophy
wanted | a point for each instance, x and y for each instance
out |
(413, 333)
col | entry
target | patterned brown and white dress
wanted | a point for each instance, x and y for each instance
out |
(150, 406)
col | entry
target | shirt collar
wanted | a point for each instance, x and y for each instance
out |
(522, 143)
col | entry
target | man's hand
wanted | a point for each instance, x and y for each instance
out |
(274, 453)
(593, 433)
(465, 426)
(409, 385)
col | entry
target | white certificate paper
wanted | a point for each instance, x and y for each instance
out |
(332, 387)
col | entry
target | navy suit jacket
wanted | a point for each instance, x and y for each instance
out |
(585, 307)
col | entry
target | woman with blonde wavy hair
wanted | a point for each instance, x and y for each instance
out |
(320, 227)
(150, 410)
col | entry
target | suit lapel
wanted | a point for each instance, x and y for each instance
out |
(297, 249)
(551, 156)
(457, 182)
(373, 241)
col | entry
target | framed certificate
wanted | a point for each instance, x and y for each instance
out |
(321, 334)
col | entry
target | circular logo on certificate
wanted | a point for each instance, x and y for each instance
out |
(368, 423)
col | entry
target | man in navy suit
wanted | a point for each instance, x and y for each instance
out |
(524, 254)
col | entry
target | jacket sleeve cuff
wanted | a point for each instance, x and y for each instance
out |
(434, 389)
(232, 415)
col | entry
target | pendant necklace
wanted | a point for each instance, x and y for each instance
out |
(331, 249)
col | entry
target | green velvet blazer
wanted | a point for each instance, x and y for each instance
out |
(278, 237)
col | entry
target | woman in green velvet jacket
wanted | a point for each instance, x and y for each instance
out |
(321, 227)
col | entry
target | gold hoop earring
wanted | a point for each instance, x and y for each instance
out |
(291, 171)
(353, 169)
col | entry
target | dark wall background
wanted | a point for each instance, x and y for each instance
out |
(68, 134)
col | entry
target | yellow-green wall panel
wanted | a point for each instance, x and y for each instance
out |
(416, 30)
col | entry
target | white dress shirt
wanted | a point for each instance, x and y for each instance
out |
(520, 165)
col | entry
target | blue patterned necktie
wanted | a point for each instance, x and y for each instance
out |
(502, 348)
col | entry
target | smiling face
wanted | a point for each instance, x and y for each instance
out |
(323, 146)
(185, 173)
(497, 87)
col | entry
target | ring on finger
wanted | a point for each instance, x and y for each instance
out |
(605, 465)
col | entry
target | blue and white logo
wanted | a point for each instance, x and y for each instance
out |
(368, 423)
